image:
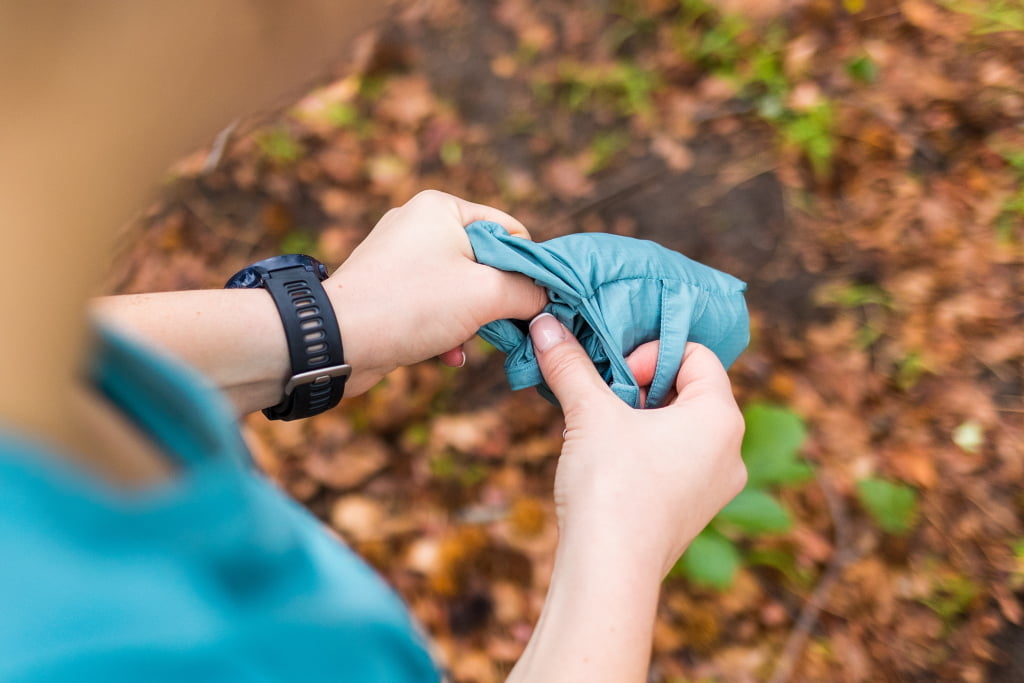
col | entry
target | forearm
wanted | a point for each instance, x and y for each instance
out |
(234, 337)
(598, 617)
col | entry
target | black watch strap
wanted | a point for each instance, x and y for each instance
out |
(318, 366)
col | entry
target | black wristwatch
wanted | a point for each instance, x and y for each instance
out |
(319, 371)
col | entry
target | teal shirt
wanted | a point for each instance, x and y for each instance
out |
(214, 575)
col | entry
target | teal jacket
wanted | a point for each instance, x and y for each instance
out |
(615, 293)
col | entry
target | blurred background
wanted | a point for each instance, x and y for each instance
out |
(860, 163)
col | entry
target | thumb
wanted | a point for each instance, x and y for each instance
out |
(701, 374)
(566, 367)
(504, 294)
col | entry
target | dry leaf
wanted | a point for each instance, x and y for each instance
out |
(358, 517)
(566, 178)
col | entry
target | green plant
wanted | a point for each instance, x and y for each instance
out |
(451, 153)
(871, 301)
(416, 435)
(893, 506)
(950, 596)
(771, 447)
(633, 20)
(604, 148)
(721, 43)
(341, 114)
(279, 146)
(757, 512)
(1017, 573)
(990, 16)
(862, 69)
(711, 560)
(621, 85)
(1011, 216)
(854, 295)
(783, 562)
(811, 131)
(752, 61)
(298, 242)
(909, 370)
(1012, 213)
(451, 468)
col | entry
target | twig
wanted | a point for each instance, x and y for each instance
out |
(605, 198)
(220, 144)
(750, 169)
(811, 611)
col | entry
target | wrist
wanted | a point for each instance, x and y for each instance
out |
(637, 527)
(360, 323)
(618, 553)
(598, 617)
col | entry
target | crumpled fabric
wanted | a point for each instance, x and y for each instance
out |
(615, 293)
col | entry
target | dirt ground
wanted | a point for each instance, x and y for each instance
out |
(858, 163)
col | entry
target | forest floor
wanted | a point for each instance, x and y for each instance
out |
(860, 163)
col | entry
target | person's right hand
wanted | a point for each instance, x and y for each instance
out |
(644, 481)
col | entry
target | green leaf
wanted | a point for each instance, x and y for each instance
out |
(341, 114)
(772, 441)
(784, 562)
(711, 560)
(951, 595)
(451, 153)
(854, 295)
(795, 472)
(278, 145)
(299, 243)
(893, 506)
(862, 69)
(755, 511)
(991, 16)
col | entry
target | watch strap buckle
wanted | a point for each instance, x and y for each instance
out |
(317, 377)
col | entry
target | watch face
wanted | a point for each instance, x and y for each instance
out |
(247, 278)
(253, 276)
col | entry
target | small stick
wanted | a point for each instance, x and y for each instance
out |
(220, 145)
(811, 611)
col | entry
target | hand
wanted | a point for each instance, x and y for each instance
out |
(632, 490)
(412, 290)
(644, 481)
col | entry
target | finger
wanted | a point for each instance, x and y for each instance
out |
(456, 358)
(701, 373)
(470, 212)
(510, 295)
(566, 367)
(642, 362)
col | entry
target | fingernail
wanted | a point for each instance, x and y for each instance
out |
(462, 359)
(546, 332)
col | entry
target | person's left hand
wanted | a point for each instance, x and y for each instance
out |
(413, 290)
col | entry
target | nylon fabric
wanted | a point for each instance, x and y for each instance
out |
(615, 293)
